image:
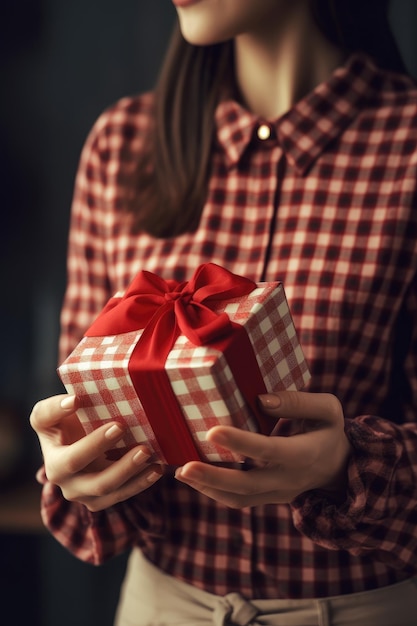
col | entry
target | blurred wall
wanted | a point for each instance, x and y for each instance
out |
(63, 62)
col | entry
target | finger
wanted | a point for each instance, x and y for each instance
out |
(268, 450)
(234, 488)
(324, 407)
(49, 412)
(137, 484)
(111, 480)
(300, 450)
(222, 479)
(65, 460)
(245, 443)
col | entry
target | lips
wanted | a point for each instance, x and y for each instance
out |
(184, 3)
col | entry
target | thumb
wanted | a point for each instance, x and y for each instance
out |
(302, 405)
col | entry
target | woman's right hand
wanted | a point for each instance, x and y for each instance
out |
(76, 462)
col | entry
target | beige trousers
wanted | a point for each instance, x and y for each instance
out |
(151, 598)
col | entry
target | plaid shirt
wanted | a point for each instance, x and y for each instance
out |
(324, 199)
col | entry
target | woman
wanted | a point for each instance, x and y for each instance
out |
(281, 143)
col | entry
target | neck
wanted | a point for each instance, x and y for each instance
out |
(276, 69)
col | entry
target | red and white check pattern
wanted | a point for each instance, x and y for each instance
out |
(97, 373)
(327, 205)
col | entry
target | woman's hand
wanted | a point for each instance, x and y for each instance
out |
(76, 462)
(315, 457)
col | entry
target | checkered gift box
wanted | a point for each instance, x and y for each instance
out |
(201, 385)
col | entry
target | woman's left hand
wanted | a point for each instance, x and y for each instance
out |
(315, 457)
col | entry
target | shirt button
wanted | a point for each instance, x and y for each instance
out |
(264, 132)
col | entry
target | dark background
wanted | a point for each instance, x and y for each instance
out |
(61, 63)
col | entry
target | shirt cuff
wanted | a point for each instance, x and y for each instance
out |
(350, 522)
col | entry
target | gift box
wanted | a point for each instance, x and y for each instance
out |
(170, 360)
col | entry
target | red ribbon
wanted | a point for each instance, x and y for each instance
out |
(165, 309)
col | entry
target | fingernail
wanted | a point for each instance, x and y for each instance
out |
(269, 401)
(68, 402)
(153, 476)
(114, 432)
(188, 473)
(140, 457)
(216, 436)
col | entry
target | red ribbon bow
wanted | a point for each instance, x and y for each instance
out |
(165, 309)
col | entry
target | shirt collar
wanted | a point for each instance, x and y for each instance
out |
(310, 125)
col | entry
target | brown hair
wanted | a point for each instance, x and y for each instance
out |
(168, 198)
(169, 188)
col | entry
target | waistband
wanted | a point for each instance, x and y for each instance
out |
(152, 598)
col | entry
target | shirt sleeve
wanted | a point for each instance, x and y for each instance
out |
(379, 515)
(92, 537)
(87, 287)
(97, 537)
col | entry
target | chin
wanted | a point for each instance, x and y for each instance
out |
(201, 40)
(201, 33)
